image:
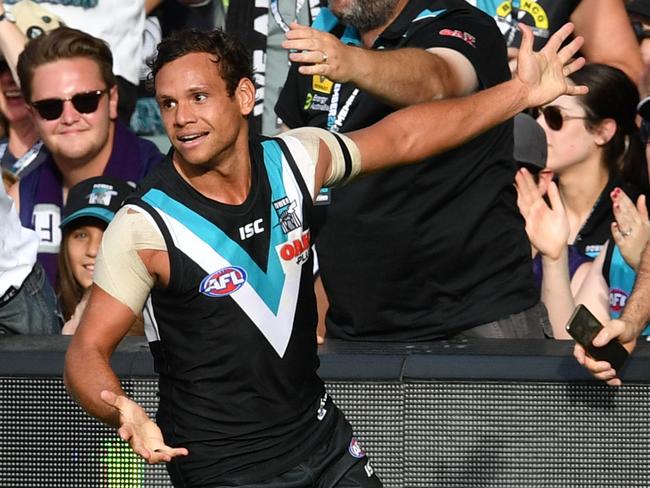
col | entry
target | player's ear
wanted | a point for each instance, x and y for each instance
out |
(245, 95)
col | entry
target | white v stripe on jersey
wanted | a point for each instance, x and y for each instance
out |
(275, 327)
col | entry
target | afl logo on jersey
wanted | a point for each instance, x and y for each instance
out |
(617, 299)
(355, 449)
(223, 282)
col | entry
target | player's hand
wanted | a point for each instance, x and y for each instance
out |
(321, 52)
(544, 74)
(631, 230)
(612, 330)
(142, 433)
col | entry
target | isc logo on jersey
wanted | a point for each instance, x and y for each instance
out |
(617, 299)
(223, 282)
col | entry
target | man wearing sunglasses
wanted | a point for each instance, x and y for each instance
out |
(67, 81)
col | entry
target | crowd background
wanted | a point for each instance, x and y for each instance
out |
(584, 187)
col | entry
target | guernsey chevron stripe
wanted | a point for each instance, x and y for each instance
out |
(268, 296)
(275, 323)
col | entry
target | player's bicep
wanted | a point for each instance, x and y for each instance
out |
(119, 269)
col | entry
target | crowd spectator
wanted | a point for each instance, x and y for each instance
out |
(120, 25)
(90, 207)
(604, 25)
(27, 301)
(448, 226)
(67, 79)
(607, 282)
(594, 146)
(22, 150)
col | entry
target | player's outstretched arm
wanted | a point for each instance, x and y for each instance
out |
(416, 132)
(92, 383)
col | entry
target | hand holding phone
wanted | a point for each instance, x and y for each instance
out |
(583, 327)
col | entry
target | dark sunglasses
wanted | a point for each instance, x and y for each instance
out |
(553, 116)
(84, 103)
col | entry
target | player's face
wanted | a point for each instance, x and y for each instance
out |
(364, 14)
(82, 246)
(73, 135)
(202, 121)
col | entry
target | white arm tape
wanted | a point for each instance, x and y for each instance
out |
(346, 158)
(119, 271)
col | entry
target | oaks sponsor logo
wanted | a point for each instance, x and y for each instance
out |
(296, 250)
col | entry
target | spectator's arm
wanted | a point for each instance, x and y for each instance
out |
(399, 77)
(12, 42)
(609, 37)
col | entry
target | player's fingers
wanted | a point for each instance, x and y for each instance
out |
(172, 452)
(125, 432)
(108, 397)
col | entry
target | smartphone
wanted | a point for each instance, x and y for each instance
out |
(583, 327)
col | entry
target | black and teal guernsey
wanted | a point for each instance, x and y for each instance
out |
(234, 334)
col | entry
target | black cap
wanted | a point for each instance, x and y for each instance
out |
(530, 143)
(639, 7)
(99, 197)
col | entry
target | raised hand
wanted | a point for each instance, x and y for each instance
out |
(544, 73)
(631, 230)
(142, 433)
(547, 227)
(322, 53)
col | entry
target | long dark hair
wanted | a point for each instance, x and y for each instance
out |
(68, 289)
(613, 95)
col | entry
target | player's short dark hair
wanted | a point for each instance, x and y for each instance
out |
(63, 43)
(231, 57)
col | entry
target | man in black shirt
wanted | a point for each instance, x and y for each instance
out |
(428, 250)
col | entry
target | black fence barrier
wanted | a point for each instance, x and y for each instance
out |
(499, 413)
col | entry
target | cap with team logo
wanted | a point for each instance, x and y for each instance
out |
(99, 197)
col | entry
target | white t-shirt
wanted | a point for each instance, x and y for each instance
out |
(118, 22)
(18, 245)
